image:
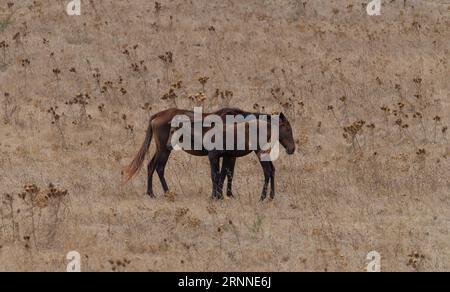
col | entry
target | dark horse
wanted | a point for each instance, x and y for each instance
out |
(285, 138)
(159, 127)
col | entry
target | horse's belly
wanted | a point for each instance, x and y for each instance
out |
(196, 152)
(237, 153)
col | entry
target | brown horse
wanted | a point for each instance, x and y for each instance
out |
(159, 127)
(285, 138)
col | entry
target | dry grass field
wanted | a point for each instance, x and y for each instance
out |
(368, 98)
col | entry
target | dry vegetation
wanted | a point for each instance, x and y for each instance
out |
(368, 98)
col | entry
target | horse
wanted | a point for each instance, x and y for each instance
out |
(159, 127)
(285, 138)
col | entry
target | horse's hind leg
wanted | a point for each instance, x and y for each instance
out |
(151, 169)
(228, 167)
(161, 163)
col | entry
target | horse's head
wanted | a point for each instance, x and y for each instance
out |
(286, 137)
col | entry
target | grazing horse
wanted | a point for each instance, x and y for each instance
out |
(285, 138)
(159, 127)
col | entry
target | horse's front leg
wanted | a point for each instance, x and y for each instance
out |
(222, 175)
(214, 163)
(272, 181)
(227, 173)
(268, 169)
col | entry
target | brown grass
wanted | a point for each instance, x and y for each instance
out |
(363, 94)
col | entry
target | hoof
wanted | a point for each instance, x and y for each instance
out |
(217, 197)
(151, 195)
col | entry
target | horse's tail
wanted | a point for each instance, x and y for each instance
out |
(138, 160)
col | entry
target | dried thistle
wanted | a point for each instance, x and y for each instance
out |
(158, 7)
(421, 152)
(167, 58)
(203, 81)
(171, 95)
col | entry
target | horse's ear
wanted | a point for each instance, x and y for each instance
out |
(282, 117)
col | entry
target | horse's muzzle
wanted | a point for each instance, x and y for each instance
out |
(290, 151)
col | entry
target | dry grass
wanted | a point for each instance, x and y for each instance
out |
(368, 98)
